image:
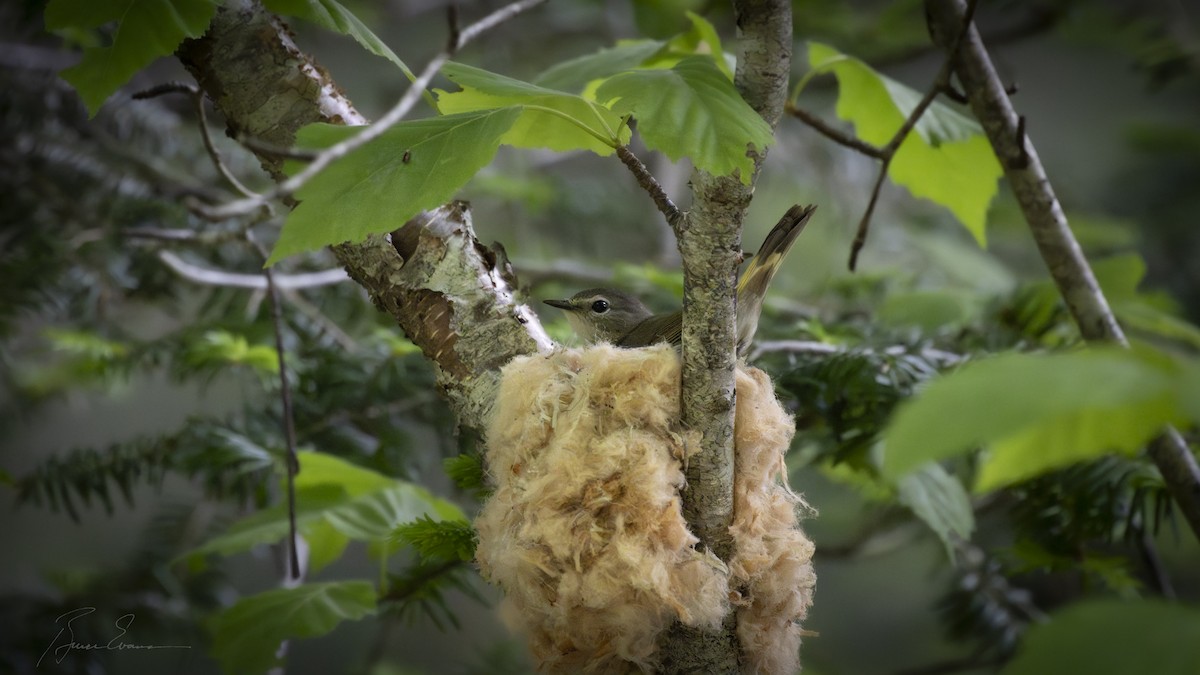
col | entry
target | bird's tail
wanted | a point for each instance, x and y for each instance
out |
(752, 287)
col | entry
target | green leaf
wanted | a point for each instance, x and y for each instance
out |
(146, 30)
(701, 38)
(576, 74)
(1038, 412)
(331, 15)
(1110, 637)
(947, 160)
(325, 545)
(691, 110)
(415, 165)
(247, 634)
(357, 503)
(940, 500)
(222, 348)
(319, 468)
(548, 119)
(270, 525)
(373, 517)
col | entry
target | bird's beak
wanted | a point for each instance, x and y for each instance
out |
(561, 304)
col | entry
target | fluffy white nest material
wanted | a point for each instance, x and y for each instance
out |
(585, 532)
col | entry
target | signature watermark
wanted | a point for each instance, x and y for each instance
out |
(64, 642)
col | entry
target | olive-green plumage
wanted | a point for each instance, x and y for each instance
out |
(615, 316)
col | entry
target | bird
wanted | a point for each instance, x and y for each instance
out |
(612, 315)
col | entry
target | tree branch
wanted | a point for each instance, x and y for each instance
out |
(444, 289)
(710, 246)
(1057, 245)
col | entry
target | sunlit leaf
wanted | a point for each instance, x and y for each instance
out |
(146, 30)
(1109, 637)
(331, 15)
(1037, 412)
(947, 159)
(246, 636)
(548, 119)
(693, 111)
(575, 75)
(413, 166)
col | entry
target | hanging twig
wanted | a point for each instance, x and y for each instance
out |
(211, 277)
(888, 152)
(197, 97)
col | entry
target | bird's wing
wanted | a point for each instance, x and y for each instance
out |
(655, 329)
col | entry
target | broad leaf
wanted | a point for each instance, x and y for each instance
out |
(1111, 637)
(146, 30)
(413, 166)
(325, 545)
(247, 634)
(940, 500)
(548, 119)
(947, 159)
(576, 74)
(691, 110)
(374, 517)
(331, 15)
(1038, 412)
(319, 468)
(270, 525)
(356, 503)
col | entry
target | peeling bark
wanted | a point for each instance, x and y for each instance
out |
(446, 291)
(1059, 250)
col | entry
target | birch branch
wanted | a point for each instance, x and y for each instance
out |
(1056, 243)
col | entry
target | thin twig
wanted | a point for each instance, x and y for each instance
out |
(211, 277)
(650, 184)
(337, 151)
(940, 82)
(213, 153)
(197, 97)
(833, 134)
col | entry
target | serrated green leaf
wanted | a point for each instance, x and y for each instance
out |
(948, 160)
(575, 75)
(691, 111)
(146, 30)
(331, 15)
(1038, 412)
(246, 636)
(414, 166)
(373, 517)
(1110, 637)
(941, 502)
(548, 118)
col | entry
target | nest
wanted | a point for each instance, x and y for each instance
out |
(585, 532)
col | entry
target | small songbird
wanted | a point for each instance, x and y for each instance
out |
(615, 316)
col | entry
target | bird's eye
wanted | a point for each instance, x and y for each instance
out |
(600, 306)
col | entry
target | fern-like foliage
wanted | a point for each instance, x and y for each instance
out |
(227, 462)
(845, 399)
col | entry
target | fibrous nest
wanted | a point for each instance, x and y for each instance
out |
(585, 533)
